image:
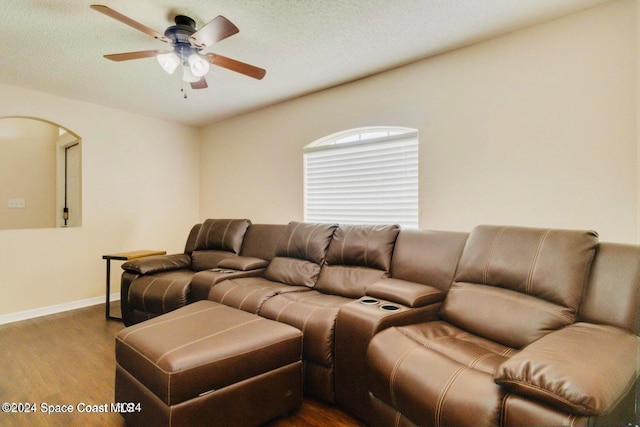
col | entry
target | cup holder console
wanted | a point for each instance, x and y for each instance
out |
(383, 306)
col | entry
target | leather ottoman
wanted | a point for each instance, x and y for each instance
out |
(207, 364)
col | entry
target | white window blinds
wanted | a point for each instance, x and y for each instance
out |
(363, 178)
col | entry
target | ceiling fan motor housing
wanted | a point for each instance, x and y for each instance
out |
(179, 35)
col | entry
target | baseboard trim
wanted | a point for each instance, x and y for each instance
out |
(53, 309)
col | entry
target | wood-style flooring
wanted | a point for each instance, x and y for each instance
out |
(68, 359)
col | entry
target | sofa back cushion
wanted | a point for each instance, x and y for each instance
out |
(190, 246)
(222, 234)
(358, 256)
(613, 293)
(428, 257)
(300, 252)
(515, 284)
(217, 239)
(305, 241)
(260, 240)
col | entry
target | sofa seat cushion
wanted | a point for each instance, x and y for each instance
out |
(211, 346)
(243, 263)
(456, 344)
(436, 374)
(315, 314)
(203, 281)
(160, 292)
(249, 293)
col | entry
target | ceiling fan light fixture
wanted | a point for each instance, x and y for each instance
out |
(169, 61)
(198, 66)
(188, 76)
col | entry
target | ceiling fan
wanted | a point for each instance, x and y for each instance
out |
(188, 44)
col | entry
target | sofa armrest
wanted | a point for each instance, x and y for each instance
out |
(156, 264)
(407, 293)
(243, 263)
(583, 368)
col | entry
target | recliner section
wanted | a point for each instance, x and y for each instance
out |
(357, 257)
(508, 326)
(156, 285)
(505, 348)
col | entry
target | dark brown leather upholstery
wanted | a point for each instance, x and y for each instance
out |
(155, 285)
(436, 374)
(208, 360)
(366, 252)
(570, 383)
(218, 239)
(509, 326)
(428, 257)
(358, 256)
(613, 292)
(260, 240)
(299, 252)
(178, 266)
(258, 249)
(422, 269)
(513, 284)
(507, 350)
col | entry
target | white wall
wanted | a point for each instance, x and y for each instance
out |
(27, 172)
(140, 191)
(534, 128)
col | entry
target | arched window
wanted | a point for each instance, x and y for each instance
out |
(363, 176)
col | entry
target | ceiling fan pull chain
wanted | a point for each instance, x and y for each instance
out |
(184, 89)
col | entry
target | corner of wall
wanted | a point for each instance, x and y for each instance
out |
(637, 75)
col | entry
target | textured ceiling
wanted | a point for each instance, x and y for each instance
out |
(56, 46)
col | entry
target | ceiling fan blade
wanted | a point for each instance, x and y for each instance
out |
(237, 66)
(130, 22)
(200, 84)
(134, 55)
(219, 28)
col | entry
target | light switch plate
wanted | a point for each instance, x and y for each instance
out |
(16, 203)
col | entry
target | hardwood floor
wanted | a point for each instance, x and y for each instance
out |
(68, 359)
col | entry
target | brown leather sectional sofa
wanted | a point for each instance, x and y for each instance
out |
(508, 326)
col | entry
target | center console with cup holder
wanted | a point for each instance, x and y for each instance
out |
(357, 323)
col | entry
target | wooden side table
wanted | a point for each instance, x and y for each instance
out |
(123, 256)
